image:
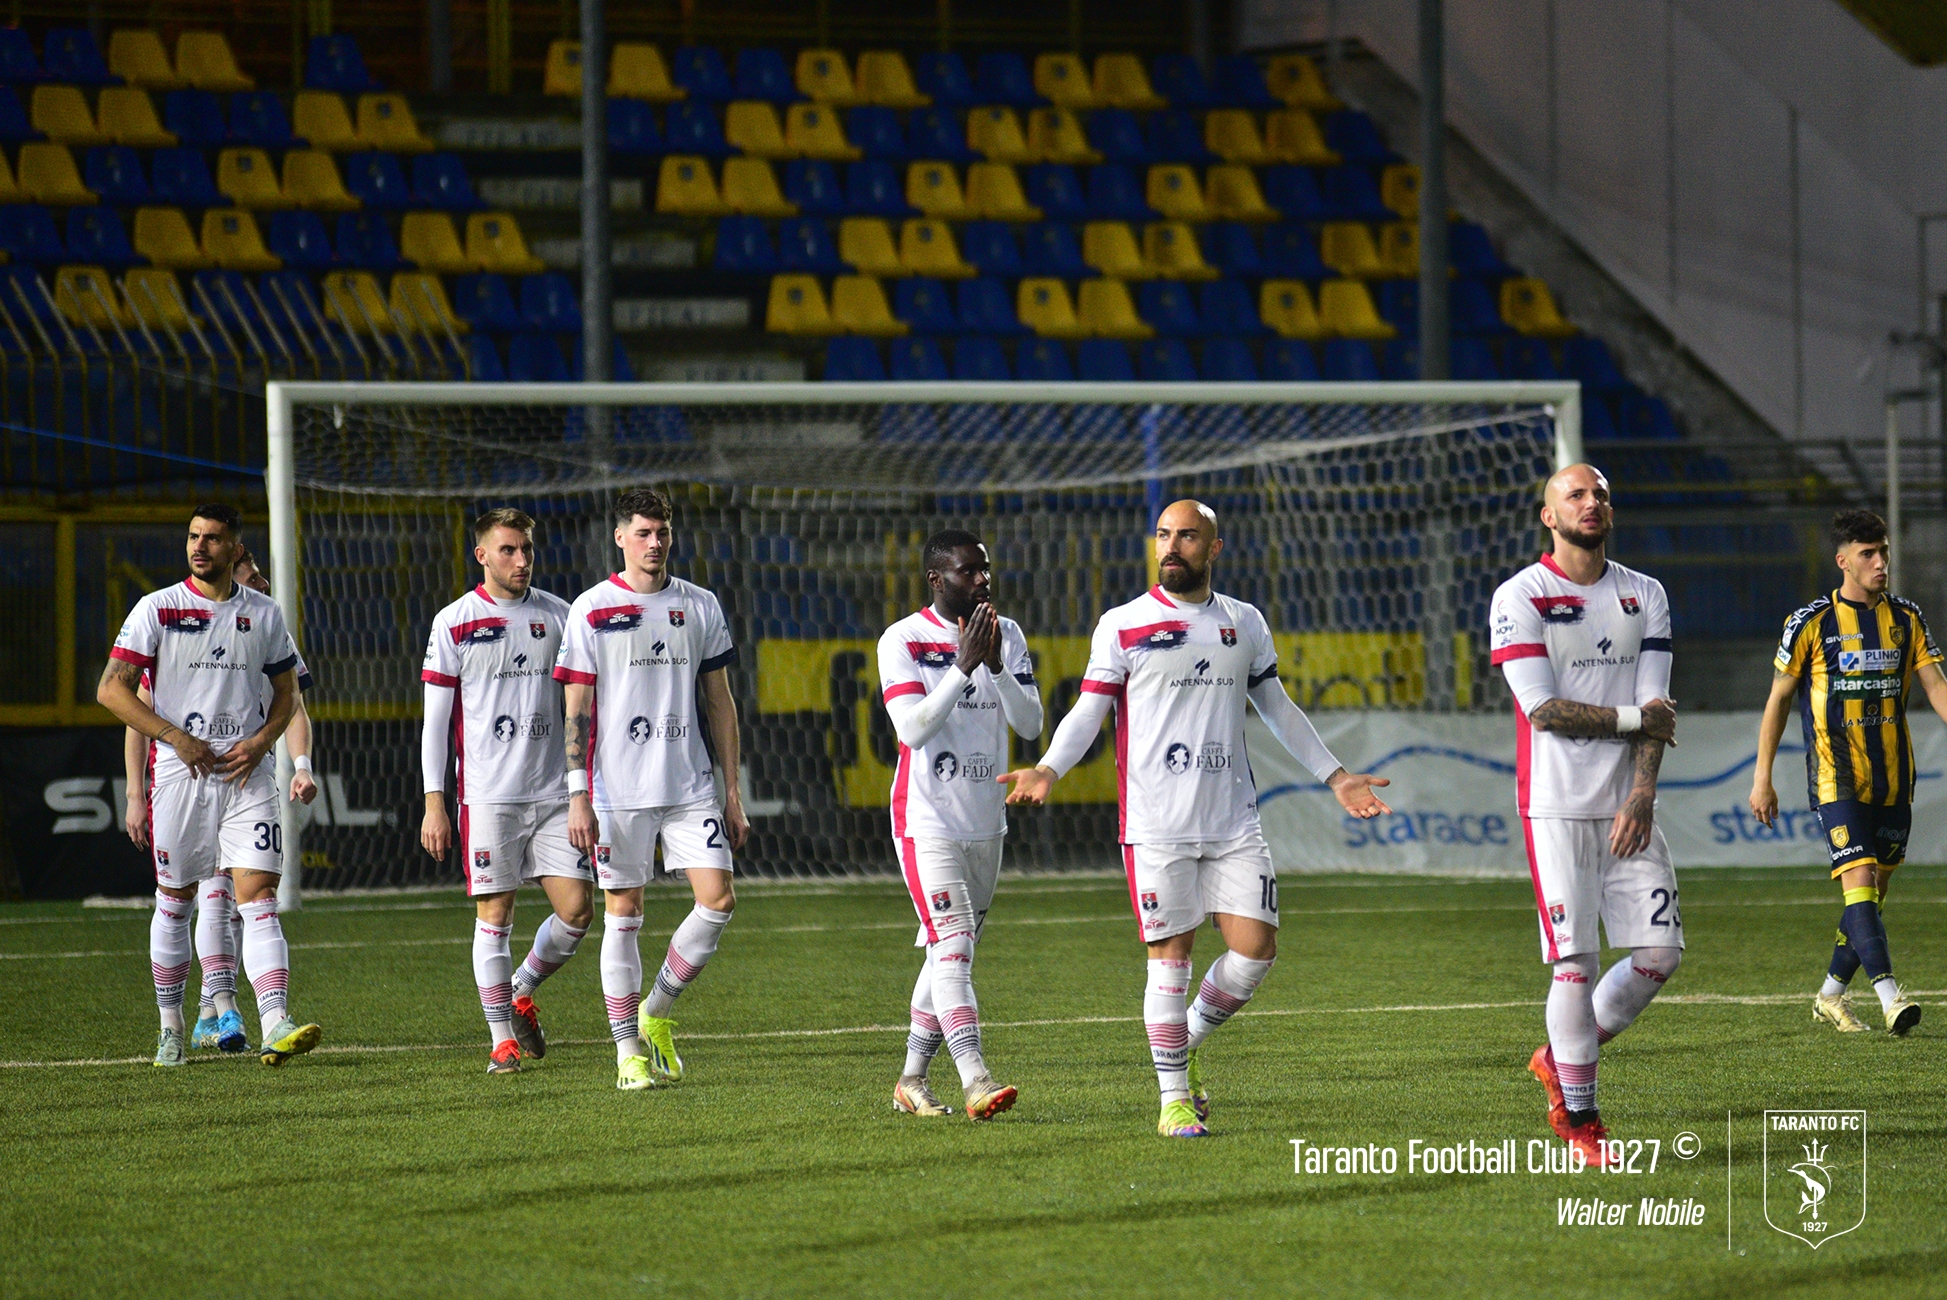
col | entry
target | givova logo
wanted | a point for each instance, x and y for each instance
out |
(1814, 1173)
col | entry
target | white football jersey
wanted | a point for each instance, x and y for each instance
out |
(643, 655)
(1596, 640)
(208, 661)
(507, 720)
(1180, 675)
(947, 789)
(265, 694)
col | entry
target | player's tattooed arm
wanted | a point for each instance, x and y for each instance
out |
(1631, 832)
(1570, 718)
(117, 693)
(577, 726)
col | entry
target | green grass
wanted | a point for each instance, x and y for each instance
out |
(389, 1163)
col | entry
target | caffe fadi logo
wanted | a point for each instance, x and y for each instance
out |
(1815, 1173)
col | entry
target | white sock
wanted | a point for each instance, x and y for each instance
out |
(1167, 1021)
(924, 1039)
(1832, 988)
(1227, 986)
(493, 966)
(266, 960)
(169, 956)
(1629, 986)
(1572, 1029)
(690, 950)
(953, 996)
(1888, 990)
(622, 983)
(554, 943)
(216, 914)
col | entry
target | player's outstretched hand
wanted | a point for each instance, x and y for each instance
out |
(1031, 785)
(1660, 721)
(435, 831)
(136, 820)
(980, 637)
(1630, 832)
(1354, 790)
(303, 788)
(1764, 801)
(583, 830)
(197, 756)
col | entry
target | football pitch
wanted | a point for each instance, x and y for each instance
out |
(1401, 1010)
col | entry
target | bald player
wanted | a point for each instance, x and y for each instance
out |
(1177, 663)
(1585, 646)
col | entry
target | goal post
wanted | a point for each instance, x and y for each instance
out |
(1365, 518)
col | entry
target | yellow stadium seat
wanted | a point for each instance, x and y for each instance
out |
(1291, 135)
(1062, 80)
(1055, 135)
(320, 117)
(1345, 307)
(1110, 247)
(934, 188)
(1295, 79)
(561, 74)
(1347, 247)
(885, 78)
(1285, 307)
(386, 122)
(137, 56)
(247, 179)
(1174, 192)
(797, 306)
(128, 117)
(354, 300)
(61, 113)
(231, 240)
(1171, 248)
(927, 247)
(993, 190)
(1045, 307)
(86, 296)
(750, 187)
(494, 243)
(859, 306)
(815, 131)
(9, 188)
(1121, 82)
(155, 299)
(48, 175)
(311, 181)
(1234, 195)
(995, 134)
(865, 244)
(751, 125)
(823, 76)
(1110, 313)
(163, 236)
(636, 71)
(685, 188)
(420, 300)
(1399, 248)
(431, 242)
(1232, 134)
(1399, 189)
(1527, 305)
(204, 60)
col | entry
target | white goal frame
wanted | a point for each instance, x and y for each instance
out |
(1562, 401)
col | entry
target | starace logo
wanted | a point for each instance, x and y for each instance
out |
(1815, 1173)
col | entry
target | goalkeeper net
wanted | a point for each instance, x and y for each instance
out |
(1370, 523)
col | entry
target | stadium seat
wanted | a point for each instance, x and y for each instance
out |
(1471, 252)
(334, 63)
(822, 76)
(97, 236)
(419, 300)
(550, 302)
(685, 188)
(1474, 308)
(1108, 311)
(1056, 135)
(18, 62)
(633, 131)
(1225, 308)
(115, 174)
(760, 74)
(386, 122)
(1228, 361)
(1043, 305)
(86, 296)
(620, 370)
(535, 359)
(1471, 359)
(61, 114)
(941, 77)
(886, 80)
(353, 299)
(806, 245)
(1175, 137)
(1399, 247)
(1294, 191)
(299, 241)
(1051, 249)
(483, 364)
(1527, 305)
(815, 131)
(1173, 191)
(743, 247)
(1043, 361)
(924, 306)
(1530, 359)
(700, 72)
(1170, 249)
(859, 306)
(1587, 360)
(155, 299)
(1110, 248)
(926, 247)
(636, 71)
(1399, 190)
(813, 187)
(1122, 82)
(934, 188)
(994, 191)
(1351, 194)
(1355, 137)
(311, 181)
(753, 127)
(195, 118)
(365, 241)
(182, 177)
(750, 187)
(1399, 361)
(494, 243)
(1348, 248)
(137, 56)
(694, 129)
(374, 179)
(985, 308)
(246, 178)
(561, 69)
(439, 181)
(233, 242)
(981, 361)
(1002, 78)
(484, 302)
(318, 116)
(875, 131)
(1294, 80)
(1116, 134)
(995, 134)
(1598, 421)
(1233, 195)
(853, 361)
(935, 135)
(163, 237)
(48, 175)
(70, 55)
(204, 60)
(1349, 361)
(128, 118)
(865, 245)
(1291, 136)
(1398, 302)
(1290, 361)
(1231, 248)
(1114, 194)
(14, 126)
(990, 247)
(29, 236)
(1063, 81)
(1346, 308)
(1178, 79)
(1103, 361)
(1639, 415)
(1232, 134)
(1165, 361)
(1167, 308)
(871, 189)
(1052, 187)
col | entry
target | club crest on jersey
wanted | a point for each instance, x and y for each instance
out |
(1557, 913)
(1630, 605)
(1560, 609)
(942, 901)
(616, 618)
(601, 855)
(483, 859)
(1228, 635)
(162, 857)
(1840, 837)
(243, 622)
(932, 654)
(184, 620)
(1155, 636)
(539, 631)
(1149, 902)
(676, 618)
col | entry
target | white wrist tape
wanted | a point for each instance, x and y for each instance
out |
(302, 762)
(578, 782)
(1628, 718)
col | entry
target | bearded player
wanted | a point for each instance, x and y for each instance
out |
(1585, 646)
(956, 677)
(1178, 664)
(489, 684)
(645, 655)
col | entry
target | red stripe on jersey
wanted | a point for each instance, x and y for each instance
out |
(1541, 905)
(1547, 562)
(928, 613)
(459, 747)
(167, 614)
(920, 649)
(131, 657)
(462, 631)
(1093, 687)
(1556, 608)
(438, 679)
(902, 779)
(1129, 870)
(623, 616)
(898, 689)
(562, 674)
(1122, 767)
(1524, 758)
(909, 865)
(1166, 631)
(1157, 591)
(617, 579)
(1526, 650)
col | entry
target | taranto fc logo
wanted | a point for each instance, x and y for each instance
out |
(1815, 1173)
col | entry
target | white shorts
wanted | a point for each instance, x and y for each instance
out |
(952, 884)
(1577, 879)
(693, 835)
(503, 844)
(201, 825)
(1174, 887)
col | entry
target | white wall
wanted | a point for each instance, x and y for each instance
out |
(1667, 150)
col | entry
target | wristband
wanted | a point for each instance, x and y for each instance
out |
(1628, 718)
(578, 782)
(302, 762)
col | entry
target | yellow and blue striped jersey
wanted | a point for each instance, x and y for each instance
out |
(1854, 663)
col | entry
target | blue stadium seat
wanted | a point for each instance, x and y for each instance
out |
(535, 359)
(806, 245)
(812, 184)
(1165, 361)
(1227, 307)
(71, 56)
(365, 241)
(97, 237)
(1290, 361)
(874, 130)
(1399, 360)
(1471, 358)
(228, 295)
(924, 305)
(1238, 82)
(701, 71)
(1118, 137)
(762, 74)
(1052, 187)
(1103, 361)
(621, 370)
(1043, 361)
(550, 302)
(874, 189)
(484, 302)
(298, 240)
(182, 178)
(1352, 194)
(1530, 359)
(1471, 253)
(1640, 415)
(987, 308)
(28, 235)
(1294, 191)
(936, 135)
(1177, 78)
(115, 173)
(1175, 135)
(15, 128)
(990, 246)
(633, 131)
(1588, 360)
(851, 360)
(18, 62)
(1598, 421)
(696, 128)
(483, 360)
(1398, 302)
(440, 182)
(981, 360)
(1229, 361)
(1051, 248)
(1355, 138)
(258, 121)
(1472, 309)
(1115, 194)
(195, 118)
(943, 75)
(1002, 77)
(376, 179)
(334, 63)
(744, 247)
(916, 360)
(1349, 360)
(1291, 253)
(1232, 248)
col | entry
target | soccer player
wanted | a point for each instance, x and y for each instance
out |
(1178, 664)
(1585, 646)
(205, 642)
(956, 676)
(1850, 658)
(652, 652)
(488, 675)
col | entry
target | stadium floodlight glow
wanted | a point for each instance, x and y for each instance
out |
(1369, 520)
